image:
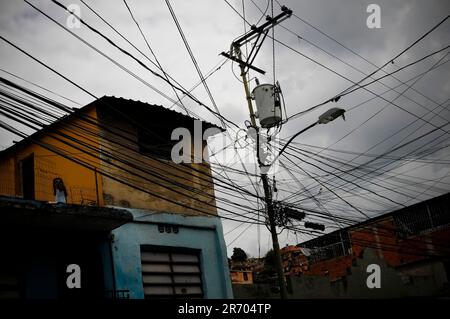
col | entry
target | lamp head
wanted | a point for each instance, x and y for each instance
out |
(331, 115)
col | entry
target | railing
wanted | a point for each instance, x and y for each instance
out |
(328, 246)
(422, 217)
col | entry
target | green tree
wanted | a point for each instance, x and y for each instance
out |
(239, 255)
(269, 262)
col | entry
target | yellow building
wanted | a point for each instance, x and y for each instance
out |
(112, 152)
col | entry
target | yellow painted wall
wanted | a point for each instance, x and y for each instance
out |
(7, 178)
(237, 277)
(79, 181)
(118, 194)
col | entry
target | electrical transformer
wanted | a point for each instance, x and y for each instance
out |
(267, 99)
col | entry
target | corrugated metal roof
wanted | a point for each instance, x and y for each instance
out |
(159, 107)
(107, 101)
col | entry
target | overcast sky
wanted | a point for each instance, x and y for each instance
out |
(210, 26)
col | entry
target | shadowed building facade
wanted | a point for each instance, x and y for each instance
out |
(114, 156)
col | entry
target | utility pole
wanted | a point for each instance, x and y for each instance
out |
(267, 191)
(260, 34)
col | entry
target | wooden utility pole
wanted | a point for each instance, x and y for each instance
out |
(257, 34)
(260, 33)
(265, 182)
(267, 190)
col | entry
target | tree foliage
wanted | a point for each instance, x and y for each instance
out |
(269, 262)
(238, 254)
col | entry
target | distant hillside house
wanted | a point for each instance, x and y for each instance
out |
(241, 277)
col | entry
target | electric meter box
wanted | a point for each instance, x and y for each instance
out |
(267, 101)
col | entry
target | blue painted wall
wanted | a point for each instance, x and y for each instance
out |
(196, 232)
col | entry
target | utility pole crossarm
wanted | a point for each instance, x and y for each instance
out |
(255, 32)
(272, 22)
(235, 59)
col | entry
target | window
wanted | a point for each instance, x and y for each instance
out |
(245, 276)
(171, 273)
(421, 217)
(328, 246)
(158, 144)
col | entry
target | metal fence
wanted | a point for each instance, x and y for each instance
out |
(422, 217)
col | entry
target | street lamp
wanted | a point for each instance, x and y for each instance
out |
(331, 115)
(325, 118)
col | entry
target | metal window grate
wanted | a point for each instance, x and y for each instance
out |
(171, 274)
(422, 217)
(328, 246)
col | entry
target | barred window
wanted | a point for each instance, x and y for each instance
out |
(171, 273)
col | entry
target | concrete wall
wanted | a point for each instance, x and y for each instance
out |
(195, 232)
(422, 279)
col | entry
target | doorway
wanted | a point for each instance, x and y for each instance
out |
(28, 177)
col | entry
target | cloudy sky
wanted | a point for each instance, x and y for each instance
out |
(210, 26)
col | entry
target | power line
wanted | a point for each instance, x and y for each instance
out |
(348, 64)
(194, 61)
(153, 53)
(70, 81)
(349, 49)
(142, 53)
(94, 134)
(346, 78)
(80, 162)
(39, 86)
(363, 87)
(178, 88)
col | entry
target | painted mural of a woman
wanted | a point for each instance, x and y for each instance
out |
(59, 190)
